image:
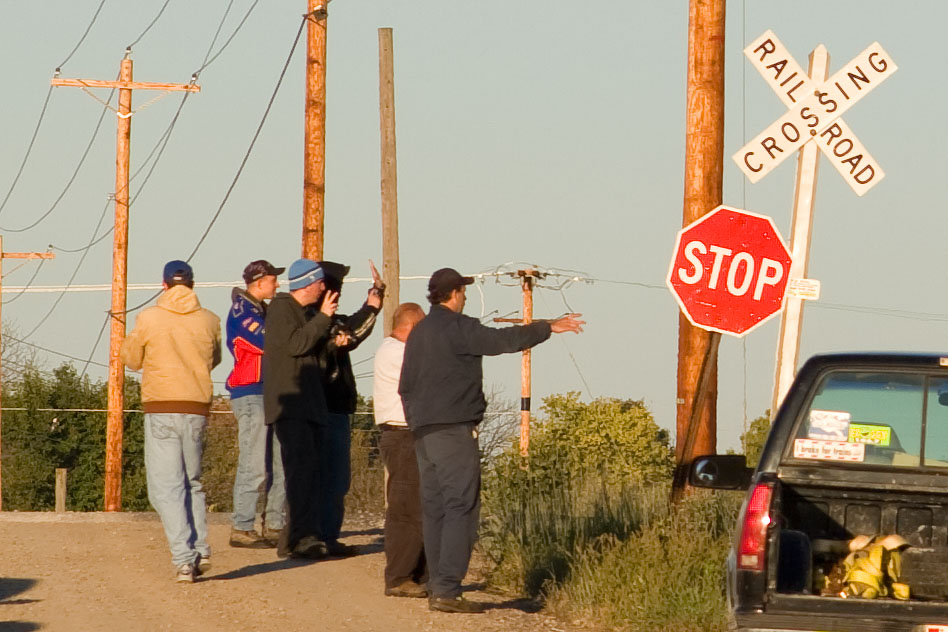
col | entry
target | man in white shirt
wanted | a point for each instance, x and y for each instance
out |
(405, 567)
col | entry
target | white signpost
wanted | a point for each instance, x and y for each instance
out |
(812, 123)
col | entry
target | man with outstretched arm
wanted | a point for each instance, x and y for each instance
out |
(442, 392)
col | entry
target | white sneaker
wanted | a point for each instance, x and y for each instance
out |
(185, 574)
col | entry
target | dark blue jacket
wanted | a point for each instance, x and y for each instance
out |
(442, 377)
(245, 342)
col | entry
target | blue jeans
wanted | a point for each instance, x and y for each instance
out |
(252, 466)
(335, 476)
(174, 444)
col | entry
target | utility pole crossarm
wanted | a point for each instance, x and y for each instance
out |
(126, 85)
(28, 255)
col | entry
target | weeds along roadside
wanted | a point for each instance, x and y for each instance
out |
(588, 529)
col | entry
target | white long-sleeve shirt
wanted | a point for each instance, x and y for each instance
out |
(388, 368)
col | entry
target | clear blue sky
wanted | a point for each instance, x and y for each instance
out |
(531, 131)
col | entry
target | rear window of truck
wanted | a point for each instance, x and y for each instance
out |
(874, 418)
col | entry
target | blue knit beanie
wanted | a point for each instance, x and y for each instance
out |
(304, 272)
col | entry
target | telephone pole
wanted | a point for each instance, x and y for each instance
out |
(704, 148)
(389, 176)
(12, 255)
(314, 147)
(528, 279)
(116, 399)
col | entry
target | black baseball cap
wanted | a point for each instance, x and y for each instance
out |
(259, 269)
(447, 280)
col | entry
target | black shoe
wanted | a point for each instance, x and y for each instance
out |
(310, 548)
(338, 549)
(455, 604)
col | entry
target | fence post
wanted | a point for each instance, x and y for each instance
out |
(60, 489)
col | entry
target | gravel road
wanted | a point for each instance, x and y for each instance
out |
(76, 572)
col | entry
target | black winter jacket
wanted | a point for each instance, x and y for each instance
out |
(339, 383)
(442, 374)
(292, 388)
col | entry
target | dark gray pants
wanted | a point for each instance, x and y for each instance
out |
(450, 473)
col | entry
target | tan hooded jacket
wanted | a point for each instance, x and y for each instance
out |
(176, 343)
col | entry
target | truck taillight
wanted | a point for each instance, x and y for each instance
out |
(752, 546)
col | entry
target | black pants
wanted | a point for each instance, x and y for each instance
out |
(299, 443)
(404, 545)
(450, 474)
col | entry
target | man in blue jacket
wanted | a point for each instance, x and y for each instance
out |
(441, 387)
(259, 448)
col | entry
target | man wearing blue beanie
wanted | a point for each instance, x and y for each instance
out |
(293, 397)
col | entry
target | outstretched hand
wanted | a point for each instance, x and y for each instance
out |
(377, 291)
(330, 303)
(569, 322)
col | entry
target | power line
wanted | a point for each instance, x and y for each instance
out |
(81, 39)
(208, 60)
(29, 149)
(28, 283)
(151, 24)
(72, 278)
(252, 142)
(72, 179)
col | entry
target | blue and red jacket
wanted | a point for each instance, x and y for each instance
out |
(245, 341)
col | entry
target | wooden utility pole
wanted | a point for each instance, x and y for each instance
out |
(314, 148)
(791, 321)
(528, 279)
(116, 399)
(389, 176)
(704, 147)
(11, 255)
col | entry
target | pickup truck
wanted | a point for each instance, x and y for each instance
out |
(859, 447)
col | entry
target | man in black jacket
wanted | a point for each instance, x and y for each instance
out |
(293, 397)
(339, 386)
(442, 393)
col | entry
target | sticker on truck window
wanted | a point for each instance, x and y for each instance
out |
(829, 425)
(871, 434)
(829, 450)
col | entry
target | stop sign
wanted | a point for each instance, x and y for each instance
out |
(730, 270)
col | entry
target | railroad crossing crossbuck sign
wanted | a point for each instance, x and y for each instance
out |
(730, 270)
(815, 112)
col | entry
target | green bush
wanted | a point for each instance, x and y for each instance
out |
(753, 440)
(587, 526)
(37, 442)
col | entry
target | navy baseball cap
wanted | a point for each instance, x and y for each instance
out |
(177, 272)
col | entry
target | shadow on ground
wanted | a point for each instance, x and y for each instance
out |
(11, 587)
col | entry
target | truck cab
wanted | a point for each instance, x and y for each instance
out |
(859, 447)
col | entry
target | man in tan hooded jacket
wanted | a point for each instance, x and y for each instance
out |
(175, 344)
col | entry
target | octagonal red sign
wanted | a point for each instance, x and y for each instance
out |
(730, 270)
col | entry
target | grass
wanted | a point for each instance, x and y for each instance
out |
(623, 557)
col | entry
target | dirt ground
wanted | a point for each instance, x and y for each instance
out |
(78, 572)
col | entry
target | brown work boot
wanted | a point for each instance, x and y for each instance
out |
(455, 604)
(272, 536)
(407, 588)
(247, 540)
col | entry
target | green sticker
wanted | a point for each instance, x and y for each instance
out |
(869, 433)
